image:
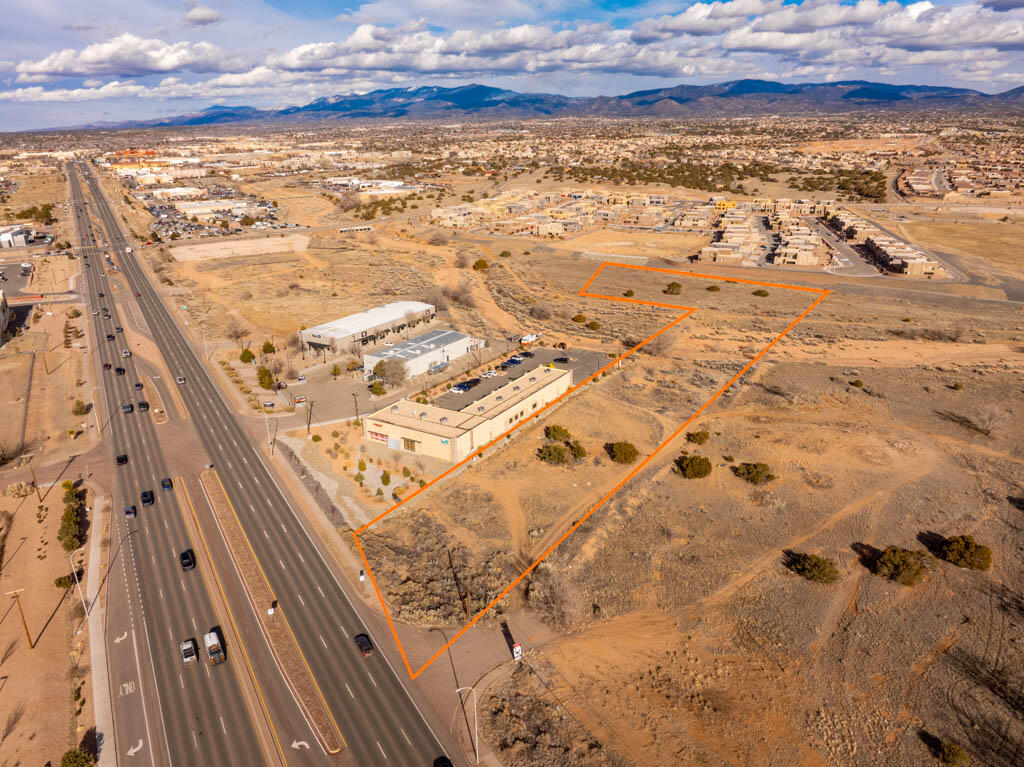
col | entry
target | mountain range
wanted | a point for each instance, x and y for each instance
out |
(735, 98)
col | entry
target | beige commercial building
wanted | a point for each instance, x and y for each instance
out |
(451, 435)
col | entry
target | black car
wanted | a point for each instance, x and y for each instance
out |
(119, 371)
(471, 382)
(527, 354)
(364, 644)
(110, 336)
(147, 497)
(100, 294)
(188, 559)
(138, 385)
(122, 459)
(143, 406)
(563, 360)
(443, 761)
(165, 483)
(119, 329)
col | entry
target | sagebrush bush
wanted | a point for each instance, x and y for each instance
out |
(622, 452)
(901, 565)
(813, 568)
(693, 466)
(754, 473)
(698, 437)
(964, 551)
(553, 453)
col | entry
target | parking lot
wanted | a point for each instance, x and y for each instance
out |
(582, 363)
(13, 282)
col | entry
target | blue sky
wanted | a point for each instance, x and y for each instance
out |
(65, 63)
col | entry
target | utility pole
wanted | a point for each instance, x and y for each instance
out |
(309, 415)
(78, 583)
(16, 594)
(35, 483)
(355, 399)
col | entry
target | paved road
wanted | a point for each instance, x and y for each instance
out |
(378, 718)
(164, 711)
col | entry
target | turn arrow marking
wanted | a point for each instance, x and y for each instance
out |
(135, 749)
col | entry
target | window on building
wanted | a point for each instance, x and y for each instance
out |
(409, 444)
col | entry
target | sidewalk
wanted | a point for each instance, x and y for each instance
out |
(102, 712)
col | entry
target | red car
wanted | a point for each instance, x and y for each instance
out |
(137, 293)
(106, 366)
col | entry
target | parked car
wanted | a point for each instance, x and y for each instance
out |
(458, 389)
(563, 360)
(513, 361)
(527, 354)
(488, 374)
(364, 644)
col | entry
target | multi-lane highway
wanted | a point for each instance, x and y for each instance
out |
(377, 716)
(166, 711)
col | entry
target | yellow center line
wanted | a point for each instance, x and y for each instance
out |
(179, 483)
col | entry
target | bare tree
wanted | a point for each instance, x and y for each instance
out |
(437, 239)
(236, 332)
(274, 365)
(13, 718)
(392, 370)
(291, 373)
(462, 259)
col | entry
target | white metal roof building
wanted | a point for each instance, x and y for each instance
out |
(367, 326)
(420, 354)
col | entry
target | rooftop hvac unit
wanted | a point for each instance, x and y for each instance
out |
(394, 408)
(444, 419)
(500, 397)
(515, 388)
(480, 408)
(423, 415)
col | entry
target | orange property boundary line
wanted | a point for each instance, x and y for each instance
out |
(584, 292)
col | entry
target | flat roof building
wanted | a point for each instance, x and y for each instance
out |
(430, 351)
(364, 327)
(15, 236)
(451, 435)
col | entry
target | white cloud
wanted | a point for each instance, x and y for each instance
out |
(200, 16)
(130, 55)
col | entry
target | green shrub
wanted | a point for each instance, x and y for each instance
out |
(556, 433)
(335, 433)
(857, 383)
(712, 288)
(953, 753)
(385, 478)
(594, 325)
(350, 366)
(246, 356)
(553, 453)
(480, 264)
(728, 458)
(629, 293)
(813, 568)
(406, 472)
(316, 438)
(964, 551)
(900, 565)
(362, 466)
(578, 451)
(359, 477)
(761, 292)
(79, 408)
(379, 491)
(622, 452)
(673, 289)
(693, 466)
(76, 757)
(698, 437)
(505, 254)
(267, 348)
(63, 581)
(378, 389)
(265, 378)
(754, 473)
(579, 318)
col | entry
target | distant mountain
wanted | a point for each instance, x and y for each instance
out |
(735, 98)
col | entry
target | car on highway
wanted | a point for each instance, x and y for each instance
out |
(122, 459)
(125, 353)
(138, 385)
(166, 484)
(95, 311)
(180, 379)
(189, 653)
(137, 294)
(119, 371)
(443, 761)
(110, 336)
(118, 329)
(100, 294)
(106, 366)
(364, 644)
(143, 406)
(127, 407)
(131, 512)
(147, 497)
(187, 559)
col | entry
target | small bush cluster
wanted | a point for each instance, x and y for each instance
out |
(900, 565)
(622, 452)
(693, 466)
(560, 447)
(953, 753)
(754, 473)
(813, 568)
(698, 437)
(673, 289)
(246, 356)
(964, 551)
(761, 292)
(70, 534)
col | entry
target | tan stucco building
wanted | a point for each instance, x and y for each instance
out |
(451, 435)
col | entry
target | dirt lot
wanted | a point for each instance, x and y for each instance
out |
(37, 187)
(674, 246)
(886, 421)
(254, 246)
(299, 201)
(41, 714)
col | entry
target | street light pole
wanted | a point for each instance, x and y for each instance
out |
(476, 742)
(355, 399)
(16, 594)
(78, 583)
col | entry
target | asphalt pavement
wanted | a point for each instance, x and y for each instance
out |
(378, 717)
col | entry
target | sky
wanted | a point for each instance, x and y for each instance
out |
(68, 63)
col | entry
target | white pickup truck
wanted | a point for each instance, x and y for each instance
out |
(214, 652)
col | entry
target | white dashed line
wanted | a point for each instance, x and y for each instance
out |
(349, 690)
(321, 592)
(322, 640)
(222, 727)
(303, 601)
(284, 529)
(265, 535)
(405, 736)
(181, 681)
(381, 749)
(371, 678)
(281, 563)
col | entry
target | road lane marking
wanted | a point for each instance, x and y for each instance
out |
(349, 690)
(371, 678)
(284, 529)
(265, 535)
(181, 681)
(301, 557)
(381, 749)
(194, 741)
(322, 640)
(282, 564)
(405, 736)
(303, 601)
(194, 626)
(222, 727)
(321, 592)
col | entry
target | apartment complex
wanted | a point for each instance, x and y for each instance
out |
(894, 254)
